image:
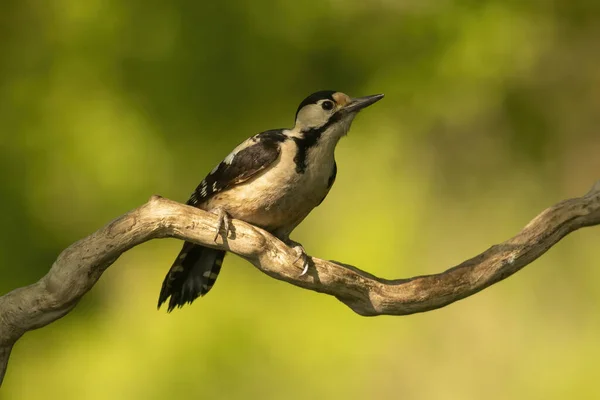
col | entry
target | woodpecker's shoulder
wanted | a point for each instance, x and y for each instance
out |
(245, 161)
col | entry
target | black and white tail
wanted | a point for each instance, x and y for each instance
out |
(192, 275)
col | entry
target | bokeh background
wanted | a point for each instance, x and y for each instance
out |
(491, 114)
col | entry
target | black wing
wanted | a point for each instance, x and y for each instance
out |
(245, 161)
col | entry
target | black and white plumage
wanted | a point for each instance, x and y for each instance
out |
(272, 180)
(249, 158)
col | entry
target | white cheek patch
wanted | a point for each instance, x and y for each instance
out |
(312, 115)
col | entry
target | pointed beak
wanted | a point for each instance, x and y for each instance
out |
(359, 103)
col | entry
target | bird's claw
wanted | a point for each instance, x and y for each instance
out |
(299, 249)
(223, 222)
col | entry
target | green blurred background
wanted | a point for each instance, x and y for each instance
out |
(491, 114)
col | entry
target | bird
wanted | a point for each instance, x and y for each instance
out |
(272, 180)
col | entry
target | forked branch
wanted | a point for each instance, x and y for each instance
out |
(79, 266)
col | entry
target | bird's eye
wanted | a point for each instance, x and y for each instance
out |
(327, 105)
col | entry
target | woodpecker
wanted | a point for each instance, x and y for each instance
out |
(272, 180)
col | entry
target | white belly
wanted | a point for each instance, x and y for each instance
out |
(279, 198)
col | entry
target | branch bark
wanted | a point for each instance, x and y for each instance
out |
(79, 266)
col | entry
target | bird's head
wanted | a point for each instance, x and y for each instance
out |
(329, 112)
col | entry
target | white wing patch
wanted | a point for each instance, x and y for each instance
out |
(229, 159)
(246, 143)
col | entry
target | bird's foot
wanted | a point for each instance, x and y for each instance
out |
(223, 222)
(299, 249)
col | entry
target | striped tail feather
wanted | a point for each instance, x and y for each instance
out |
(192, 275)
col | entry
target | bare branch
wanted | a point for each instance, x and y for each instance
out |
(79, 266)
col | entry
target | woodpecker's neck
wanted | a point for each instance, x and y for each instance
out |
(317, 145)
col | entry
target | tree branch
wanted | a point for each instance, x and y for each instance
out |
(79, 266)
